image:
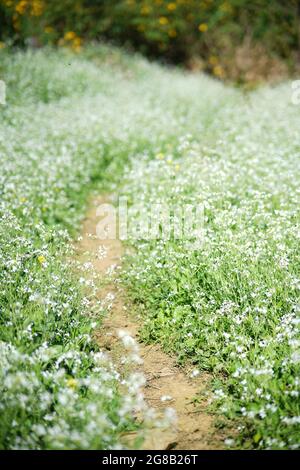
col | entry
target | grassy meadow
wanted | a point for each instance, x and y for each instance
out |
(105, 121)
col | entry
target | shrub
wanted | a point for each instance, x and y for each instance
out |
(178, 31)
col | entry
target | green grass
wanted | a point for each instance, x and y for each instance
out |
(97, 121)
(232, 305)
(56, 391)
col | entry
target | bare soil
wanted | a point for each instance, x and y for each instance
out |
(194, 428)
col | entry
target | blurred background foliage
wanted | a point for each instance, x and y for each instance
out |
(241, 40)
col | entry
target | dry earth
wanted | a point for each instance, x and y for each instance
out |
(194, 428)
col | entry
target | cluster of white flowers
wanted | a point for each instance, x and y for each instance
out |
(233, 303)
(63, 126)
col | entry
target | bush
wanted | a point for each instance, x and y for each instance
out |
(206, 34)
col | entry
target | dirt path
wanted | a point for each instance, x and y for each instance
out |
(167, 385)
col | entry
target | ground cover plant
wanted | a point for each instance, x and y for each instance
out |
(106, 121)
(230, 306)
(56, 390)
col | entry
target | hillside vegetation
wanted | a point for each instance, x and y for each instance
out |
(106, 121)
(238, 40)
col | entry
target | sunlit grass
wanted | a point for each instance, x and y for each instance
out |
(99, 120)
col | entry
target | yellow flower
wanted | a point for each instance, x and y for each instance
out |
(145, 10)
(163, 20)
(172, 33)
(226, 7)
(172, 6)
(70, 35)
(160, 156)
(218, 71)
(37, 8)
(23, 199)
(203, 27)
(72, 383)
(213, 60)
(177, 167)
(77, 42)
(21, 7)
(76, 45)
(2, 45)
(48, 29)
(41, 259)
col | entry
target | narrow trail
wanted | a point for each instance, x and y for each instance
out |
(194, 427)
